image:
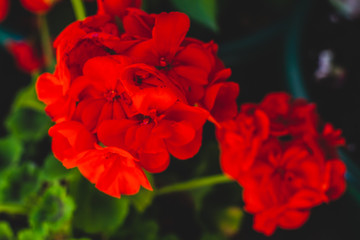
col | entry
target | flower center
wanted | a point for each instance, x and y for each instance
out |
(111, 95)
(163, 64)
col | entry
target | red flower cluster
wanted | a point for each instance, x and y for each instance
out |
(285, 159)
(124, 100)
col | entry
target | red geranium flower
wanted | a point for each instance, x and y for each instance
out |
(38, 6)
(117, 7)
(285, 159)
(145, 92)
(114, 171)
(285, 183)
(25, 56)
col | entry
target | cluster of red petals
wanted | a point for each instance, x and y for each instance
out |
(38, 6)
(24, 55)
(125, 100)
(285, 159)
(4, 9)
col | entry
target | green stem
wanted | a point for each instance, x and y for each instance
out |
(12, 209)
(79, 9)
(196, 183)
(46, 43)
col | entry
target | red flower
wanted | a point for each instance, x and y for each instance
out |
(24, 54)
(284, 158)
(289, 116)
(117, 7)
(284, 184)
(99, 93)
(154, 133)
(114, 171)
(142, 94)
(187, 66)
(4, 9)
(38, 6)
(241, 139)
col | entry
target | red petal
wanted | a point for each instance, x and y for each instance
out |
(168, 33)
(154, 162)
(188, 150)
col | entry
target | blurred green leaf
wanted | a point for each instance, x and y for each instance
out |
(97, 212)
(80, 239)
(170, 237)
(213, 236)
(198, 196)
(146, 230)
(143, 199)
(18, 183)
(10, 151)
(27, 124)
(53, 210)
(229, 220)
(6, 232)
(202, 11)
(53, 169)
(29, 234)
(27, 98)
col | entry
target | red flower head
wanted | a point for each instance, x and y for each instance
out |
(25, 57)
(4, 9)
(117, 7)
(38, 6)
(142, 94)
(284, 158)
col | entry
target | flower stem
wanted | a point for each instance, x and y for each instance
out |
(196, 183)
(12, 209)
(46, 43)
(79, 9)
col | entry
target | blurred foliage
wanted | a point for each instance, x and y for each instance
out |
(203, 11)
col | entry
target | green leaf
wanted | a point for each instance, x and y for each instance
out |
(97, 212)
(170, 237)
(53, 169)
(27, 98)
(18, 183)
(27, 124)
(229, 220)
(29, 234)
(53, 210)
(143, 199)
(213, 236)
(6, 232)
(10, 151)
(146, 230)
(202, 11)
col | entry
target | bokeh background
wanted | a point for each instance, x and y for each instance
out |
(270, 45)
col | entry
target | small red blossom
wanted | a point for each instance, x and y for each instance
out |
(285, 159)
(25, 56)
(38, 6)
(117, 7)
(4, 9)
